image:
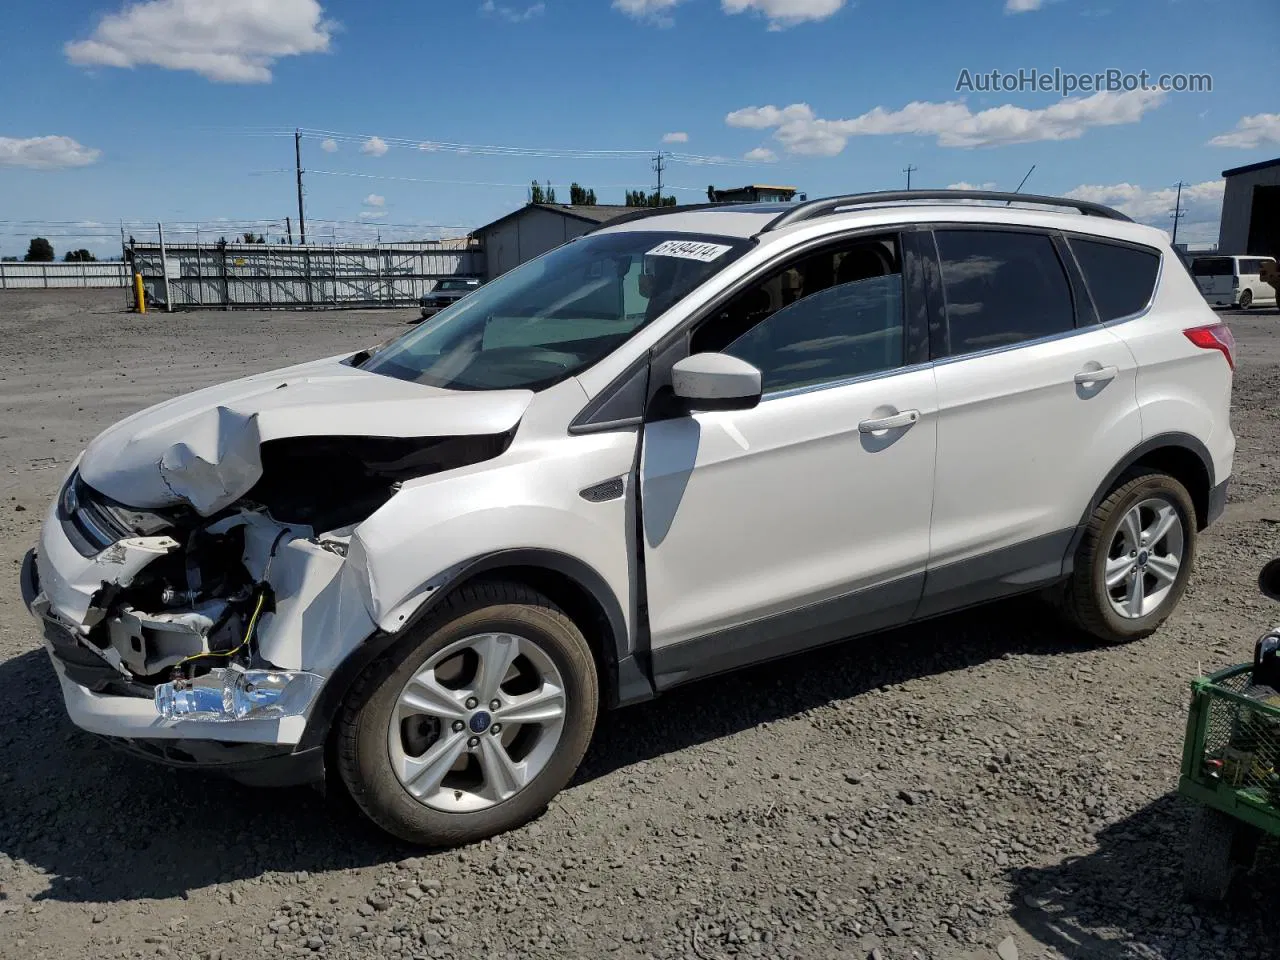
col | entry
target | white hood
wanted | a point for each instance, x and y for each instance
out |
(202, 448)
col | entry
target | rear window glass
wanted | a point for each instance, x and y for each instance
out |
(1212, 267)
(1121, 280)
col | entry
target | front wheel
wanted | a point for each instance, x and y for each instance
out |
(1135, 558)
(471, 731)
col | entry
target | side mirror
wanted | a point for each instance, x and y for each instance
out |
(716, 381)
(1269, 580)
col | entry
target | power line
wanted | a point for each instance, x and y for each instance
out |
(470, 183)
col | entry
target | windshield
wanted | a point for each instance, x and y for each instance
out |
(555, 316)
(1212, 267)
(456, 284)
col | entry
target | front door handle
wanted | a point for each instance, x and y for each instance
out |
(1101, 375)
(897, 422)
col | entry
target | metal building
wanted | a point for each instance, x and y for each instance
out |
(1251, 210)
(536, 228)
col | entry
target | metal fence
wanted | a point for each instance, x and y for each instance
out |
(260, 276)
(44, 276)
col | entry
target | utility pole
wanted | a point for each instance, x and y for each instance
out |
(659, 164)
(297, 157)
(1178, 213)
(908, 170)
(288, 225)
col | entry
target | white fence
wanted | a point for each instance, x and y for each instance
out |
(43, 276)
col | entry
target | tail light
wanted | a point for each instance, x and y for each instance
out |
(1214, 336)
(1235, 282)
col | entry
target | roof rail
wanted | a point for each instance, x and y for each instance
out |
(642, 212)
(820, 208)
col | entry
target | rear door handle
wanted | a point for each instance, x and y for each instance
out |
(898, 421)
(1101, 375)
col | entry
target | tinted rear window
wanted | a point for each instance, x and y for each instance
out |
(1001, 288)
(1121, 280)
(1212, 267)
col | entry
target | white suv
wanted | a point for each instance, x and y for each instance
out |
(690, 440)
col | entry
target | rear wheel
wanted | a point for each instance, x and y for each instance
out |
(1134, 560)
(473, 729)
(1246, 300)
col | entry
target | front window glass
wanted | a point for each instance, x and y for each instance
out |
(555, 316)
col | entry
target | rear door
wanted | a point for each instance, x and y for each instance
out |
(1036, 403)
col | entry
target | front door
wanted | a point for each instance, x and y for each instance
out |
(805, 519)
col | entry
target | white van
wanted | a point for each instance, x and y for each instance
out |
(1234, 281)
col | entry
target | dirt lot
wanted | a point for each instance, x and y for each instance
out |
(928, 793)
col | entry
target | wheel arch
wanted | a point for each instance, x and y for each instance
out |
(568, 582)
(1180, 455)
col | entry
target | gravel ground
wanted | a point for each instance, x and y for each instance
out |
(978, 786)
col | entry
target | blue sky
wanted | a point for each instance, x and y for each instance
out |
(183, 110)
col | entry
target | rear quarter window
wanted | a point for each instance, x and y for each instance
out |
(1121, 279)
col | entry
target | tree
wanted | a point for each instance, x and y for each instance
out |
(79, 256)
(535, 193)
(640, 198)
(40, 251)
(711, 193)
(579, 195)
(252, 237)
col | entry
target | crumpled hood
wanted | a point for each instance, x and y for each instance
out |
(202, 448)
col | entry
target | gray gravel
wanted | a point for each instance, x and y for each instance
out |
(981, 786)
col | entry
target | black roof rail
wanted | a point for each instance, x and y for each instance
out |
(821, 208)
(642, 212)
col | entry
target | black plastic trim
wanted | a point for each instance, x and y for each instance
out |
(1086, 311)
(1217, 503)
(1005, 572)
(780, 635)
(29, 579)
(254, 764)
(619, 405)
(918, 306)
(813, 209)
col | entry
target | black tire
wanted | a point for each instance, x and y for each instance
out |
(1084, 597)
(361, 748)
(1246, 299)
(1218, 848)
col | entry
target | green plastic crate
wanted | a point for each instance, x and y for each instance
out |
(1231, 755)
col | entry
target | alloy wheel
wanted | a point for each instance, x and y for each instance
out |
(1145, 558)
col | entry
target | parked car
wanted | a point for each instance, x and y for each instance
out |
(1235, 281)
(445, 293)
(690, 440)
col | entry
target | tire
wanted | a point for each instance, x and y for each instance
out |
(1218, 847)
(373, 755)
(1246, 299)
(1086, 599)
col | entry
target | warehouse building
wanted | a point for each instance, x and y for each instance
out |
(536, 228)
(1251, 210)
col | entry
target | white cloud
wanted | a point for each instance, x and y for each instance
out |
(372, 214)
(373, 200)
(1251, 132)
(1201, 205)
(45, 153)
(760, 155)
(966, 185)
(1022, 6)
(329, 145)
(374, 147)
(784, 13)
(801, 131)
(231, 41)
(511, 14)
(656, 12)
(675, 137)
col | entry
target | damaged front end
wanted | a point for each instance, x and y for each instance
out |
(231, 608)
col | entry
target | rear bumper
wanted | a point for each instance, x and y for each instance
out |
(1217, 503)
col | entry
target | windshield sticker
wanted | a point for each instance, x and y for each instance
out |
(689, 250)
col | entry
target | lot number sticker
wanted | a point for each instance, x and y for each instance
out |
(689, 250)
